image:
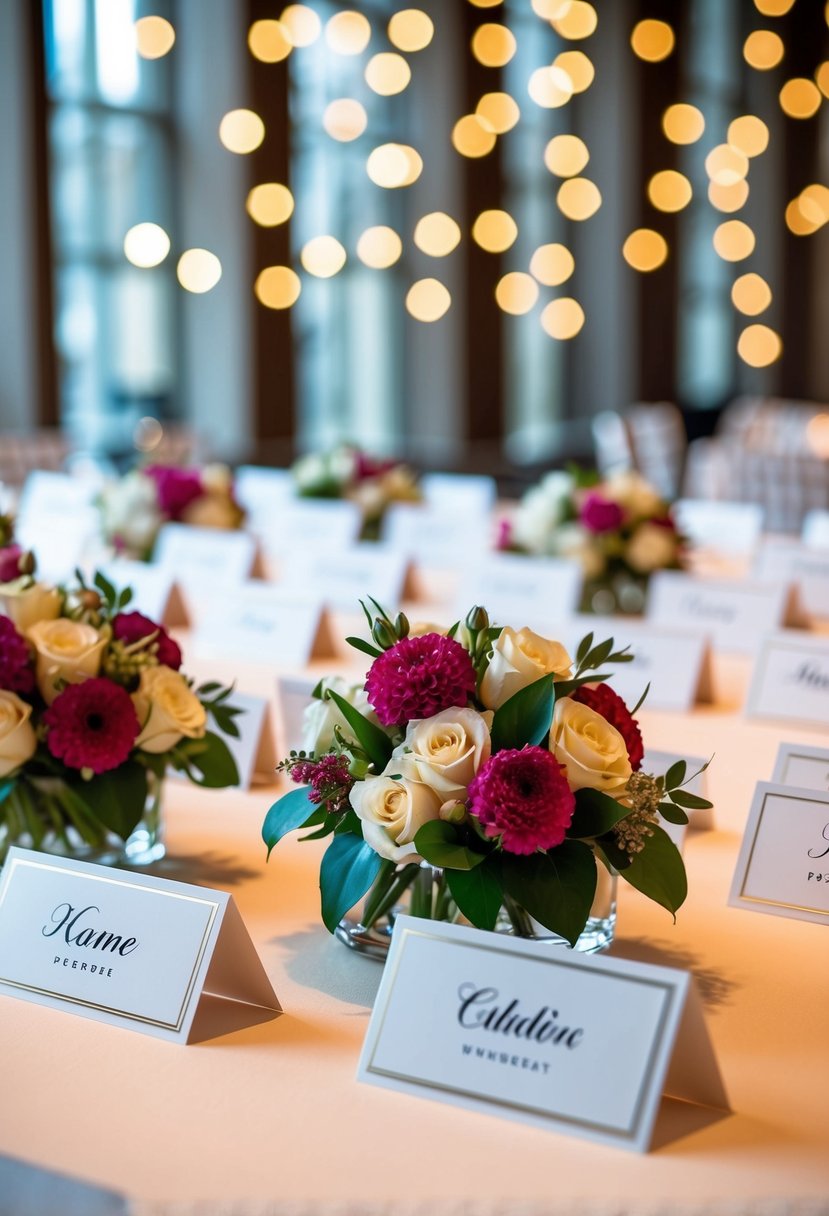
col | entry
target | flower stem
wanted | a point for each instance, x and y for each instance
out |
(519, 918)
(388, 897)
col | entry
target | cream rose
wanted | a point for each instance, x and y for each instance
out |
(633, 493)
(17, 737)
(592, 751)
(27, 602)
(322, 715)
(392, 812)
(167, 710)
(212, 510)
(64, 650)
(444, 752)
(520, 659)
(651, 548)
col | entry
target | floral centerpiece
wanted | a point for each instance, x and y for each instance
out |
(620, 530)
(94, 710)
(483, 774)
(134, 508)
(346, 472)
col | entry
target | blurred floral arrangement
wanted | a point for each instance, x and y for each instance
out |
(135, 507)
(94, 710)
(620, 530)
(347, 472)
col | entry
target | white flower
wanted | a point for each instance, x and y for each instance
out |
(26, 602)
(542, 510)
(392, 812)
(518, 659)
(444, 751)
(577, 543)
(167, 709)
(322, 715)
(130, 511)
(65, 650)
(651, 548)
(17, 737)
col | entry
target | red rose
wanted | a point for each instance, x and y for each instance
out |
(610, 705)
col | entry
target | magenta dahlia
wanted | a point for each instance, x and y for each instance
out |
(418, 677)
(600, 514)
(523, 797)
(10, 556)
(92, 725)
(176, 488)
(609, 704)
(131, 627)
(16, 670)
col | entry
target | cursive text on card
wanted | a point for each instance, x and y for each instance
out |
(478, 1011)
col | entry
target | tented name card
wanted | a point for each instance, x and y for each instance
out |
(293, 696)
(575, 1044)
(153, 587)
(472, 495)
(538, 592)
(791, 680)
(257, 623)
(434, 536)
(262, 493)
(343, 577)
(729, 527)
(211, 556)
(816, 529)
(143, 953)
(805, 567)
(806, 767)
(734, 615)
(57, 518)
(312, 525)
(48, 495)
(253, 750)
(783, 866)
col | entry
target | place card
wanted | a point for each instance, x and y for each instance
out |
(539, 592)
(131, 950)
(343, 577)
(258, 623)
(459, 492)
(699, 819)
(577, 1044)
(783, 866)
(58, 520)
(807, 568)
(254, 750)
(293, 696)
(214, 557)
(805, 767)
(734, 615)
(262, 494)
(48, 496)
(312, 525)
(816, 529)
(435, 538)
(153, 588)
(791, 680)
(730, 527)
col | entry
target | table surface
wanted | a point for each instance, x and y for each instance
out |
(271, 1119)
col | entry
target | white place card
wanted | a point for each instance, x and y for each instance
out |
(575, 1044)
(343, 577)
(731, 528)
(61, 545)
(805, 767)
(783, 866)
(144, 953)
(807, 568)
(254, 751)
(434, 538)
(791, 680)
(471, 495)
(213, 557)
(658, 764)
(312, 525)
(293, 696)
(258, 623)
(262, 493)
(539, 592)
(734, 615)
(152, 586)
(816, 529)
(47, 495)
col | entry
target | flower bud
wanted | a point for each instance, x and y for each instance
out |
(383, 634)
(453, 811)
(358, 767)
(401, 625)
(26, 563)
(89, 600)
(477, 619)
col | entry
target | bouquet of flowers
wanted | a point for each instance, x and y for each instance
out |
(494, 757)
(348, 473)
(94, 709)
(619, 530)
(134, 508)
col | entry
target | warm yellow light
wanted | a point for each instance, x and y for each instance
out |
(146, 245)
(550, 10)
(387, 73)
(241, 131)
(437, 234)
(198, 270)
(322, 256)
(270, 204)
(410, 30)
(669, 190)
(494, 231)
(773, 8)
(645, 250)
(800, 98)
(269, 42)
(427, 300)
(652, 40)
(751, 294)
(578, 20)
(301, 24)
(822, 78)
(749, 134)
(758, 346)
(471, 137)
(493, 45)
(277, 287)
(728, 198)
(154, 37)
(348, 32)
(379, 247)
(578, 198)
(394, 165)
(550, 87)
(566, 155)
(734, 240)
(817, 428)
(498, 111)
(814, 203)
(344, 119)
(726, 165)
(552, 264)
(683, 124)
(485, 3)
(516, 293)
(563, 318)
(578, 67)
(763, 50)
(797, 222)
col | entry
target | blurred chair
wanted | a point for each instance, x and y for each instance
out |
(649, 437)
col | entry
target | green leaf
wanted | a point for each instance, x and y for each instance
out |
(658, 872)
(293, 810)
(214, 761)
(105, 587)
(565, 687)
(584, 649)
(595, 814)
(672, 813)
(599, 654)
(116, 798)
(690, 801)
(477, 893)
(5, 790)
(350, 822)
(365, 647)
(615, 857)
(441, 844)
(641, 700)
(349, 867)
(526, 717)
(375, 742)
(556, 888)
(675, 774)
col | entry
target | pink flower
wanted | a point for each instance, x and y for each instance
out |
(130, 627)
(523, 797)
(418, 677)
(176, 488)
(9, 563)
(600, 514)
(92, 725)
(367, 467)
(329, 779)
(16, 671)
(504, 538)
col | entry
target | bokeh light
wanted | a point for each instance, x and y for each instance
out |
(394, 165)
(726, 165)
(472, 137)
(728, 198)
(751, 294)
(344, 119)
(154, 37)
(270, 204)
(562, 318)
(749, 135)
(348, 32)
(645, 250)
(683, 124)
(578, 67)
(552, 264)
(301, 24)
(146, 245)
(758, 346)
(269, 41)
(566, 155)
(652, 40)
(437, 234)
(428, 300)
(322, 256)
(763, 50)
(578, 198)
(198, 270)
(379, 247)
(800, 98)
(550, 87)
(493, 45)
(773, 8)
(277, 287)
(410, 30)
(387, 73)
(669, 190)
(241, 131)
(576, 21)
(734, 240)
(499, 111)
(516, 293)
(494, 231)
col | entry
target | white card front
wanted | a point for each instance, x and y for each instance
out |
(253, 750)
(312, 525)
(816, 529)
(262, 493)
(729, 527)
(204, 557)
(540, 592)
(733, 615)
(293, 696)
(791, 680)
(468, 1017)
(471, 495)
(258, 623)
(783, 866)
(429, 536)
(48, 496)
(806, 767)
(807, 568)
(344, 577)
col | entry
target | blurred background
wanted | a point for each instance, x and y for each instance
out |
(481, 235)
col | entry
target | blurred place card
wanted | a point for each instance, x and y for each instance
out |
(699, 818)
(731, 528)
(783, 866)
(539, 592)
(257, 623)
(434, 536)
(254, 750)
(165, 958)
(61, 544)
(807, 568)
(343, 577)
(153, 587)
(213, 557)
(572, 1043)
(312, 525)
(816, 529)
(262, 493)
(48, 496)
(791, 680)
(459, 492)
(293, 696)
(806, 767)
(734, 615)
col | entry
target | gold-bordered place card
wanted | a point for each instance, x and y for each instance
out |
(791, 680)
(131, 950)
(807, 568)
(806, 767)
(735, 615)
(577, 1044)
(783, 866)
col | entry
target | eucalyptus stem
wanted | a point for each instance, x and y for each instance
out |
(519, 918)
(391, 896)
(421, 904)
(379, 891)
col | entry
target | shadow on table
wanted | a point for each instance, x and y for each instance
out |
(714, 988)
(203, 869)
(26, 1190)
(316, 960)
(676, 1119)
